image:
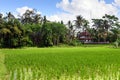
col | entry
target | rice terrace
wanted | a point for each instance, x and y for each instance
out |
(73, 63)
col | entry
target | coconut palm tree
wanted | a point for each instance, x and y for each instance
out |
(70, 31)
(79, 22)
(99, 29)
(9, 17)
(110, 22)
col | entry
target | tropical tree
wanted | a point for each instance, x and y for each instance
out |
(37, 18)
(85, 25)
(30, 16)
(11, 34)
(109, 21)
(110, 24)
(59, 32)
(79, 22)
(1, 20)
(46, 35)
(70, 31)
(98, 29)
(103, 27)
(9, 17)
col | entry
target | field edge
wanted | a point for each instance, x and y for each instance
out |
(3, 71)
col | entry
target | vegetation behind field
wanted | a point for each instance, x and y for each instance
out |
(33, 30)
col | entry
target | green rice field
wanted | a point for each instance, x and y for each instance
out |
(73, 63)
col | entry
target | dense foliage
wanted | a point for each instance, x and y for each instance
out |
(31, 29)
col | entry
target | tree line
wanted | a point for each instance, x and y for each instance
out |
(31, 29)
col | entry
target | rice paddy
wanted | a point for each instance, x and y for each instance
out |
(74, 63)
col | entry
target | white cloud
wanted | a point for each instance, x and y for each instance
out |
(3, 14)
(39, 12)
(87, 8)
(61, 16)
(53, 18)
(117, 2)
(22, 10)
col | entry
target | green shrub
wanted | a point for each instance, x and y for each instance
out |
(117, 43)
(75, 43)
(25, 41)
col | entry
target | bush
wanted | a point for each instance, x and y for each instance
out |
(117, 43)
(75, 43)
(25, 41)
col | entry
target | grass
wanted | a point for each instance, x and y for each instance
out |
(63, 63)
(2, 67)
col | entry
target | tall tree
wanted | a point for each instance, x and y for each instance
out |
(104, 25)
(9, 17)
(70, 31)
(11, 34)
(1, 20)
(109, 21)
(30, 16)
(79, 21)
(98, 28)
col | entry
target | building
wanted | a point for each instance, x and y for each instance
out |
(84, 37)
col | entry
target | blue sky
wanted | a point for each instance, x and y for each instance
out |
(45, 6)
(63, 9)
(109, 1)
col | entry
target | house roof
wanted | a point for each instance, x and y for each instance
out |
(84, 34)
(87, 35)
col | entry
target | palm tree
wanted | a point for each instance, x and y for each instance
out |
(109, 22)
(37, 18)
(70, 31)
(9, 17)
(85, 25)
(1, 20)
(79, 22)
(27, 16)
(98, 24)
(1, 15)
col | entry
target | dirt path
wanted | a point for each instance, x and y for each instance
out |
(2, 67)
